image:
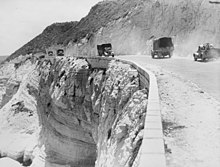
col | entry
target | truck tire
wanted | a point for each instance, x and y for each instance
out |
(195, 59)
(170, 54)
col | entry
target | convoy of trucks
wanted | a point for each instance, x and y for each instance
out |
(161, 48)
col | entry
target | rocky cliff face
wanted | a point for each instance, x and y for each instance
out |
(130, 25)
(66, 112)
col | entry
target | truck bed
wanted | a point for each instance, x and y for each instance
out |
(213, 53)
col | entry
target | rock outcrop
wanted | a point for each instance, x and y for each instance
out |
(68, 112)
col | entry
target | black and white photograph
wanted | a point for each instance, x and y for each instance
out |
(110, 83)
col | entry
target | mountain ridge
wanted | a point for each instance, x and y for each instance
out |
(129, 25)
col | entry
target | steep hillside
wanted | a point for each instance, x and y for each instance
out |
(47, 38)
(129, 25)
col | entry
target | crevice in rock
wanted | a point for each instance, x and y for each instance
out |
(109, 133)
(48, 104)
(135, 152)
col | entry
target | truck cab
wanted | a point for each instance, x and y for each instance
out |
(105, 50)
(50, 53)
(60, 52)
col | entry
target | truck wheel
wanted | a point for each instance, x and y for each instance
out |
(203, 59)
(195, 59)
(152, 56)
(171, 54)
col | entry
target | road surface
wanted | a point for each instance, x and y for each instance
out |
(204, 74)
(191, 117)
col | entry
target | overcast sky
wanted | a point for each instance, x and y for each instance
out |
(22, 20)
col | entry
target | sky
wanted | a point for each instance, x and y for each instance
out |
(22, 20)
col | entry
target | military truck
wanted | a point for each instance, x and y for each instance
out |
(60, 52)
(206, 51)
(50, 53)
(162, 47)
(105, 50)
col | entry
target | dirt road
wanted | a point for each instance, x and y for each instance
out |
(205, 74)
(191, 117)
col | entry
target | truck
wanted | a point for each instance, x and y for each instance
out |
(50, 53)
(60, 52)
(205, 52)
(162, 47)
(105, 50)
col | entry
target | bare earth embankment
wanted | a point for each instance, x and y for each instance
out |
(191, 117)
